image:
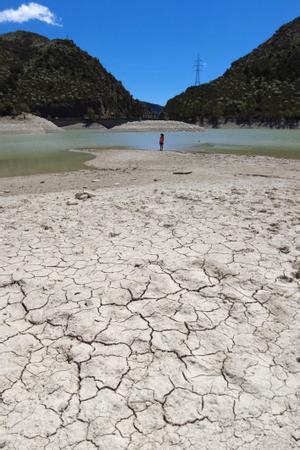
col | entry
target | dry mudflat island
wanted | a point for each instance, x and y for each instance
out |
(151, 302)
(157, 125)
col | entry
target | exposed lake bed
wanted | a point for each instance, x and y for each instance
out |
(167, 298)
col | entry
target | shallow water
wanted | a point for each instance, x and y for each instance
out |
(29, 154)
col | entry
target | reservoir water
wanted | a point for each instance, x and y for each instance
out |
(29, 154)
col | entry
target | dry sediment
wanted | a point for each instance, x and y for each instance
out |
(158, 316)
(157, 125)
(26, 124)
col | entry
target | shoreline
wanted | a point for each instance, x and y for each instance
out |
(114, 167)
(31, 124)
(255, 126)
(245, 150)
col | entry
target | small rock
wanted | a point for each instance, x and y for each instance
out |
(285, 279)
(297, 275)
(42, 182)
(84, 195)
(46, 227)
(284, 250)
(81, 196)
(6, 191)
(117, 184)
(112, 235)
(179, 172)
(95, 181)
(2, 444)
(72, 203)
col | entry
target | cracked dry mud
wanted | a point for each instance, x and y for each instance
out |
(151, 318)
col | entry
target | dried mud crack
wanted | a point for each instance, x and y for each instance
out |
(147, 318)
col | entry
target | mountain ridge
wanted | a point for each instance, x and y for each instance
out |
(262, 87)
(54, 77)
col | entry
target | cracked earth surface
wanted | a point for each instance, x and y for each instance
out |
(151, 318)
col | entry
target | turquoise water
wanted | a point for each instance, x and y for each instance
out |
(27, 154)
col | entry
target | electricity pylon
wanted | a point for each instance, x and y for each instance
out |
(198, 68)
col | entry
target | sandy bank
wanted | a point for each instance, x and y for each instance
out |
(27, 124)
(157, 125)
(123, 167)
(155, 314)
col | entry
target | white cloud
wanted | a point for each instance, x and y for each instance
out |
(28, 12)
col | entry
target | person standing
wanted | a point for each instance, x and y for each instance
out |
(161, 142)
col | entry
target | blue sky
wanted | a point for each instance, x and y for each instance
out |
(151, 45)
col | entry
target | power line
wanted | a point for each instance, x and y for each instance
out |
(198, 68)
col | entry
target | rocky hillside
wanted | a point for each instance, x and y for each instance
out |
(154, 109)
(262, 87)
(56, 78)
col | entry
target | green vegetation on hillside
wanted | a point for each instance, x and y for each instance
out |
(56, 78)
(262, 87)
